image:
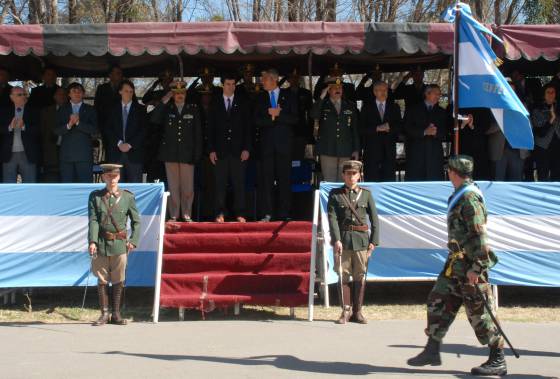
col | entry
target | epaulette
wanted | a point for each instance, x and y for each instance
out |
(129, 191)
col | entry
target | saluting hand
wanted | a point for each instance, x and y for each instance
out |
(92, 249)
(338, 248)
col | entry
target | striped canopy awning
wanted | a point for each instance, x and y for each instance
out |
(143, 49)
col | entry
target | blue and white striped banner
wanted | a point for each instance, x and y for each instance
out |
(43, 234)
(523, 227)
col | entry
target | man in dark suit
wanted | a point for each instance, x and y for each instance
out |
(19, 130)
(303, 130)
(5, 88)
(425, 129)
(106, 98)
(412, 94)
(50, 141)
(229, 144)
(76, 124)
(126, 131)
(43, 96)
(380, 125)
(276, 113)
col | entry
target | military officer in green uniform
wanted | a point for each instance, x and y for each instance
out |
(336, 130)
(466, 267)
(109, 210)
(350, 208)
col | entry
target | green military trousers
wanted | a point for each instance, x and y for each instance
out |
(444, 302)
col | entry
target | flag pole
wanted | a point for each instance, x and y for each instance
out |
(456, 80)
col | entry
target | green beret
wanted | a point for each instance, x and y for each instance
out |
(352, 165)
(462, 164)
(112, 168)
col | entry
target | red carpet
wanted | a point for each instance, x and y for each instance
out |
(208, 265)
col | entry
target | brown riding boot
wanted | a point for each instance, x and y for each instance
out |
(358, 301)
(103, 305)
(117, 297)
(346, 307)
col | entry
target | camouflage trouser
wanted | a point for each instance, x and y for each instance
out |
(444, 302)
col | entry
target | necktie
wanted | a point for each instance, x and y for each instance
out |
(124, 122)
(381, 110)
(228, 107)
(430, 108)
(75, 108)
(272, 99)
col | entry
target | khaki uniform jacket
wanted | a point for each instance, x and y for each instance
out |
(99, 222)
(340, 217)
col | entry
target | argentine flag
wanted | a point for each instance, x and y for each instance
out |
(482, 85)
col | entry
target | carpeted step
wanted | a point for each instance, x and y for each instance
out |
(237, 227)
(208, 302)
(254, 242)
(235, 262)
(235, 284)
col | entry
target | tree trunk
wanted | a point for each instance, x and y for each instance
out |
(319, 10)
(330, 10)
(72, 11)
(256, 10)
(53, 11)
(179, 8)
(293, 7)
(497, 12)
(155, 10)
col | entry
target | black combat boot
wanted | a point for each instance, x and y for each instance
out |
(429, 356)
(357, 302)
(117, 297)
(103, 304)
(495, 365)
(346, 307)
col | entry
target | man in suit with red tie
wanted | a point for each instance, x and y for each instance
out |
(229, 145)
(126, 131)
(276, 114)
(380, 125)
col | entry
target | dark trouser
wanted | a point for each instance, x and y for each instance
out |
(76, 172)
(276, 166)
(19, 164)
(548, 161)
(510, 167)
(50, 174)
(380, 166)
(131, 171)
(230, 168)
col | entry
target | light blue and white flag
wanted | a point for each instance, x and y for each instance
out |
(523, 224)
(482, 85)
(43, 235)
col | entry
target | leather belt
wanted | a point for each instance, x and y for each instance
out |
(356, 228)
(114, 236)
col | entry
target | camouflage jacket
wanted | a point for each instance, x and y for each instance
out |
(466, 223)
(341, 217)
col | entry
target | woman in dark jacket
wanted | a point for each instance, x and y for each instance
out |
(546, 128)
(180, 148)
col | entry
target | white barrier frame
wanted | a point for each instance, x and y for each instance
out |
(159, 264)
(313, 259)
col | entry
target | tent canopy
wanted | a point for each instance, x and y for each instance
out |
(144, 49)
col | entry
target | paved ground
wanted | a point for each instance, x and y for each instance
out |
(258, 349)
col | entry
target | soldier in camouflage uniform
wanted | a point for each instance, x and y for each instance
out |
(109, 210)
(467, 266)
(350, 207)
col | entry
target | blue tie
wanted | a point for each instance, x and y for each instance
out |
(75, 108)
(272, 99)
(124, 122)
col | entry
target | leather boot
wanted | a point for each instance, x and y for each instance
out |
(357, 302)
(103, 305)
(346, 307)
(495, 365)
(429, 356)
(117, 297)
